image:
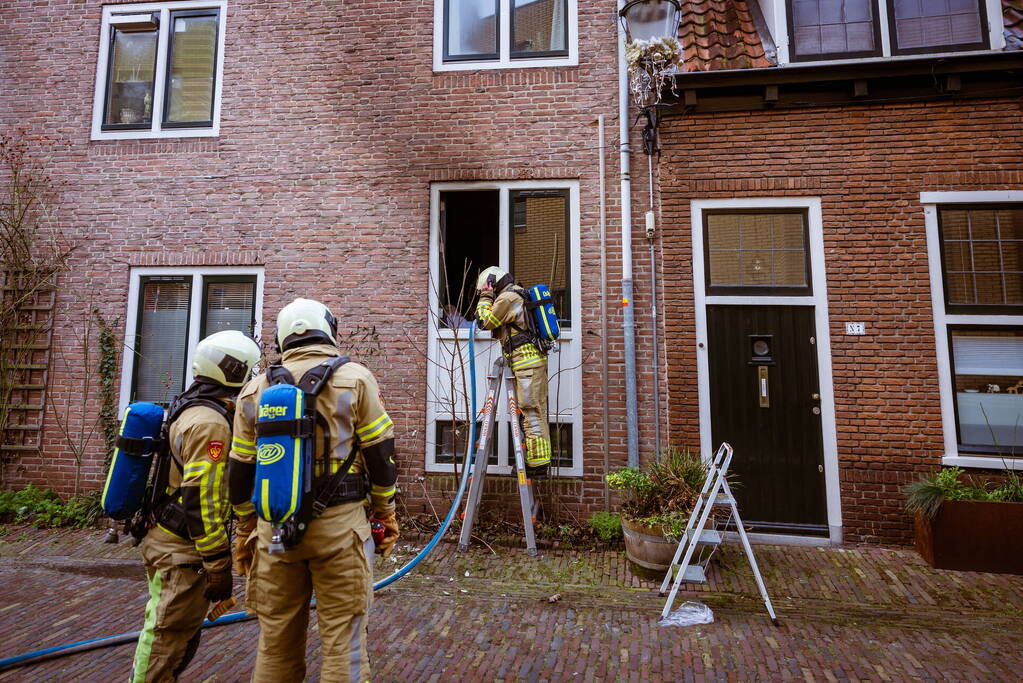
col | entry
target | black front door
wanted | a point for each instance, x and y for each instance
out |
(765, 402)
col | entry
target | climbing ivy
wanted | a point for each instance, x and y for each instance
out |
(107, 370)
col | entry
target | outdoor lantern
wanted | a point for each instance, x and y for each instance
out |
(649, 19)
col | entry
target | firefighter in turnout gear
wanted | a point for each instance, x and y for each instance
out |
(333, 558)
(187, 553)
(502, 309)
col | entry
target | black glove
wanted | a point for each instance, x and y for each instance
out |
(218, 585)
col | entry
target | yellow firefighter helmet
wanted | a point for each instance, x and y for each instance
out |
(502, 278)
(305, 321)
(225, 357)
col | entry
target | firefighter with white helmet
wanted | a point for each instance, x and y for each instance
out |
(501, 308)
(333, 554)
(187, 553)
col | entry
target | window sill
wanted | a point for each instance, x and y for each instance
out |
(493, 64)
(988, 462)
(882, 59)
(167, 134)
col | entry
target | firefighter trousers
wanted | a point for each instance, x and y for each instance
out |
(531, 397)
(175, 611)
(334, 561)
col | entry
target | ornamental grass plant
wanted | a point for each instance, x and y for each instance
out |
(926, 495)
(663, 496)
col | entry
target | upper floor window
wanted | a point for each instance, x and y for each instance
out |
(159, 70)
(843, 29)
(936, 25)
(828, 29)
(475, 34)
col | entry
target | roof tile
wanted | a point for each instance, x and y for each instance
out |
(720, 34)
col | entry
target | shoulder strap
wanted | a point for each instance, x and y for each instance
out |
(311, 384)
(316, 378)
(278, 374)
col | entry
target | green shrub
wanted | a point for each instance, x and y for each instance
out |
(607, 526)
(664, 496)
(45, 509)
(926, 495)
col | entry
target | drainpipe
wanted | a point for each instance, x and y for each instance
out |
(602, 165)
(628, 320)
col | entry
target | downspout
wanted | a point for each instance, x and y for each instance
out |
(603, 305)
(628, 320)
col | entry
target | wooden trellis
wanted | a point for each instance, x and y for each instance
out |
(26, 361)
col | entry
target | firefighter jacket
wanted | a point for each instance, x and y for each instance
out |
(199, 442)
(351, 405)
(506, 317)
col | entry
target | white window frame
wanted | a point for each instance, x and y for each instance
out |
(504, 43)
(573, 335)
(198, 275)
(931, 202)
(819, 301)
(160, 75)
(776, 15)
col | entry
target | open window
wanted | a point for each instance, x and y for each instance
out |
(531, 229)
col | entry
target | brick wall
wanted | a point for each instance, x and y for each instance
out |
(333, 129)
(868, 165)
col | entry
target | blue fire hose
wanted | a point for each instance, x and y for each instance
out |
(131, 636)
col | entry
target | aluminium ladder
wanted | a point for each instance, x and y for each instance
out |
(715, 493)
(501, 372)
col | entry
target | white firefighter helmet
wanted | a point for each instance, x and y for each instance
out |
(304, 320)
(497, 272)
(225, 357)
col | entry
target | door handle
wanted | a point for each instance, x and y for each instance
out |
(763, 389)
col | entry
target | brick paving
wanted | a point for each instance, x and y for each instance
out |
(852, 613)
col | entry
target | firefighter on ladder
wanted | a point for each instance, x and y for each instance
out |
(502, 310)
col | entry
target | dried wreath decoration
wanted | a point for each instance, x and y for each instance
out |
(651, 65)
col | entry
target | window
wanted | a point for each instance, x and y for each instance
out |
(845, 29)
(531, 229)
(756, 252)
(987, 374)
(539, 245)
(936, 25)
(159, 70)
(476, 34)
(976, 257)
(170, 313)
(982, 258)
(828, 29)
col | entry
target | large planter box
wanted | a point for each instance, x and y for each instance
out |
(975, 536)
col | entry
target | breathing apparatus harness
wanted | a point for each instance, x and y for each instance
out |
(532, 334)
(160, 506)
(330, 489)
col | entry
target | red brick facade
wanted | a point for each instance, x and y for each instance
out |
(333, 128)
(868, 164)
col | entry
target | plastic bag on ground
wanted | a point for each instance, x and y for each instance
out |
(689, 614)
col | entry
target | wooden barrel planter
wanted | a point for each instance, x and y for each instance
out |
(647, 547)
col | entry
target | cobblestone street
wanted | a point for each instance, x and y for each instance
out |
(853, 613)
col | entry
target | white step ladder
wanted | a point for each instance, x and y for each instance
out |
(500, 372)
(715, 493)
